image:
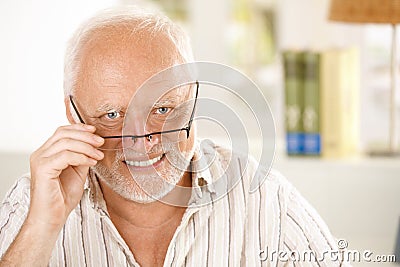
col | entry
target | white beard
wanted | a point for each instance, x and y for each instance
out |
(146, 188)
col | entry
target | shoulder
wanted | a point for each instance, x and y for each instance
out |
(13, 211)
(16, 202)
(277, 216)
(263, 185)
(19, 191)
(256, 178)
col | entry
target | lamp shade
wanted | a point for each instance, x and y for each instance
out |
(365, 11)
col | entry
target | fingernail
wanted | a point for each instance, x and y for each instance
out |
(98, 139)
(89, 127)
(99, 153)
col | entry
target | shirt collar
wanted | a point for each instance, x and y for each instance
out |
(92, 187)
(206, 167)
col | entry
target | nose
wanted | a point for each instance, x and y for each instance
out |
(141, 144)
(144, 141)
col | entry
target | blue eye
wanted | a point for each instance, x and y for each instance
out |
(162, 110)
(113, 115)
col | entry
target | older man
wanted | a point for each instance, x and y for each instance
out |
(82, 204)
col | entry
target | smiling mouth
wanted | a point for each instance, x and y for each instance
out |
(144, 163)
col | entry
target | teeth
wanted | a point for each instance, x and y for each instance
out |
(143, 163)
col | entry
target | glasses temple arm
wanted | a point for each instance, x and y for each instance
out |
(194, 107)
(76, 110)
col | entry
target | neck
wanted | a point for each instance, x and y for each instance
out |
(149, 215)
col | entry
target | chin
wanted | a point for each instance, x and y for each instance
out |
(144, 184)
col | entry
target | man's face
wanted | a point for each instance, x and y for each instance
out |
(112, 70)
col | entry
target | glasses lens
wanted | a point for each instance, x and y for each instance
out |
(170, 117)
(169, 137)
(156, 139)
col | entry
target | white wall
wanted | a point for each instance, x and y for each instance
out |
(304, 24)
(33, 39)
(208, 29)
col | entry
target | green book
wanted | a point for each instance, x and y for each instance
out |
(311, 112)
(293, 75)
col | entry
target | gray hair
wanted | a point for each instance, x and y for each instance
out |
(135, 20)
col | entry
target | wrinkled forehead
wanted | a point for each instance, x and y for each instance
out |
(158, 95)
(114, 64)
(173, 82)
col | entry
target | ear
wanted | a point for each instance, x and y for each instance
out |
(68, 111)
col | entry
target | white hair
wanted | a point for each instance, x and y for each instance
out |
(135, 20)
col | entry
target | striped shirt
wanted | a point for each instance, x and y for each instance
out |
(271, 226)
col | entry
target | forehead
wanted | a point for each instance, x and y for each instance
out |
(114, 64)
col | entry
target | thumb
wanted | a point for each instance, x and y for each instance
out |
(73, 180)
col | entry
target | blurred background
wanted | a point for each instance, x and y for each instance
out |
(357, 195)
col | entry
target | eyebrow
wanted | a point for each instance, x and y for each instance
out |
(166, 101)
(169, 100)
(181, 94)
(108, 107)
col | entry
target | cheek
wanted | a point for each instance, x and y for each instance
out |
(109, 158)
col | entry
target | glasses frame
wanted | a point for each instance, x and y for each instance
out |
(149, 135)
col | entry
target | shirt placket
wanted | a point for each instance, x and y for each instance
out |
(173, 256)
(117, 238)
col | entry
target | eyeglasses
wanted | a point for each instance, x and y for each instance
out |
(169, 124)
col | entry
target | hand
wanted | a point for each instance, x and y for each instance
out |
(58, 173)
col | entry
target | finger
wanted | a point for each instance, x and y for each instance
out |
(60, 131)
(56, 163)
(79, 172)
(74, 132)
(73, 145)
